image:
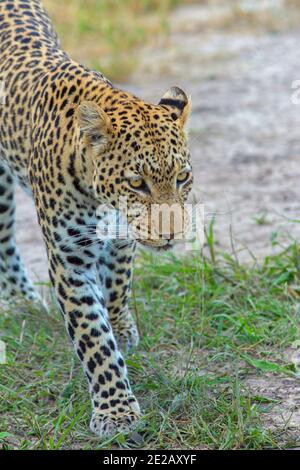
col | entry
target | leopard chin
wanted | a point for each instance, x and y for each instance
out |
(168, 246)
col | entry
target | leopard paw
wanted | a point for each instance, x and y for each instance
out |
(107, 424)
(15, 295)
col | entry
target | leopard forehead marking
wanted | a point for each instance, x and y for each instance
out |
(148, 140)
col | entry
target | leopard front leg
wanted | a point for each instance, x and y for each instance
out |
(115, 275)
(115, 408)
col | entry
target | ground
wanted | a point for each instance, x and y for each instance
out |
(218, 362)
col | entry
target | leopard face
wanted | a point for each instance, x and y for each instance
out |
(140, 155)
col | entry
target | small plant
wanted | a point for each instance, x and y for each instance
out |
(261, 219)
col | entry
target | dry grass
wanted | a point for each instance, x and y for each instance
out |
(103, 34)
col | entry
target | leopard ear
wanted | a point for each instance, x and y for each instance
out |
(178, 103)
(94, 124)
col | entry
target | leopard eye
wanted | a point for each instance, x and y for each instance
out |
(183, 177)
(136, 183)
(96, 139)
(139, 184)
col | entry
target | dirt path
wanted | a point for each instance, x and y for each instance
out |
(244, 129)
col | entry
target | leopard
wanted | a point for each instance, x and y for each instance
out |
(75, 142)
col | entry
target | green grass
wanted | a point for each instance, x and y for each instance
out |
(206, 325)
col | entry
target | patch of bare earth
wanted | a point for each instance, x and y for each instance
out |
(282, 414)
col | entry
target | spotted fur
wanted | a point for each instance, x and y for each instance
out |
(74, 141)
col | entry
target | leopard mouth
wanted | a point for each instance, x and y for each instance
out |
(166, 246)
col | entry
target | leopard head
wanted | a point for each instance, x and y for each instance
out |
(140, 156)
